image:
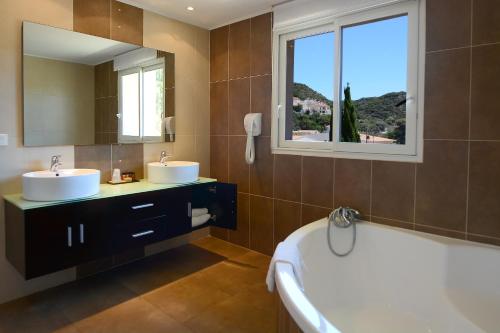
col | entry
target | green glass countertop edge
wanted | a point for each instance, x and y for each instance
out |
(106, 191)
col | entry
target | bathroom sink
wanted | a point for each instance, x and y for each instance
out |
(173, 172)
(64, 184)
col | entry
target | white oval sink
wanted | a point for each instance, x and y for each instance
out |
(173, 172)
(65, 184)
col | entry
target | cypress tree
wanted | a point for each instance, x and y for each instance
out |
(349, 130)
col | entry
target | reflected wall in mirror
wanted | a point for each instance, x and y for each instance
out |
(82, 90)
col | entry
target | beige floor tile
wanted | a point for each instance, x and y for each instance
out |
(185, 298)
(235, 316)
(133, 316)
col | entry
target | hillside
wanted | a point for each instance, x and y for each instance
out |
(376, 115)
(303, 92)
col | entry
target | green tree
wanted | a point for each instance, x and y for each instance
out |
(399, 132)
(349, 129)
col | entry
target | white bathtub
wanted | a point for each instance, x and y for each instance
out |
(395, 281)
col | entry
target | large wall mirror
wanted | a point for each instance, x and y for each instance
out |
(83, 90)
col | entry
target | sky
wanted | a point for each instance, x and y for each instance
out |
(373, 56)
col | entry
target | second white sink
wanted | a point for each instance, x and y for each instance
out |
(173, 172)
(65, 184)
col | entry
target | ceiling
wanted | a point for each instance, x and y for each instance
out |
(59, 44)
(207, 14)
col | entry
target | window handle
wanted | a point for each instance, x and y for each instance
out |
(408, 99)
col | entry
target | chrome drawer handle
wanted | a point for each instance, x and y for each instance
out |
(190, 211)
(144, 233)
(70, 237)
(143, 206)
(82, 233)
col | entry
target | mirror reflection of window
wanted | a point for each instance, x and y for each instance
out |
(129, 97)
(153, 101)
(142, 102)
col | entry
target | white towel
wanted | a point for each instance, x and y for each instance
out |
(287, 254)
(199, 220)
(195, 212)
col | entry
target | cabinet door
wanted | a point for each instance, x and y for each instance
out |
(63, 236)
(179, 205)
(220, 199)
(91, 230)
(50, 242)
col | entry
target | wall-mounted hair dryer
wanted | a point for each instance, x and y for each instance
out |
(169, 124)
(253, 127)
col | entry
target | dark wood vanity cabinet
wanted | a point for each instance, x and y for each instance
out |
(47, 239)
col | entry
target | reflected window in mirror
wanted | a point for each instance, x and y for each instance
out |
(141, 103)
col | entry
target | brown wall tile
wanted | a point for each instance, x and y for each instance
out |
(261, 172)
(241, 236)
(484, 189)
(483, 239)
(261, 224)
(448, 24)
(485, 85)
(92, 17)
(287, 219)
(219, 54)
(261, 90)
(239, 105)
(313, 213)
(486, 21)
(287, 177)
(393, 223)
(219, 158)
(317, 181)
(352, 184)
(238, 170)
(218, 108)
(442, 185)
(126, 23)
(447, 82)
(393, 190)
(261, 37)
(440, 232)
(129, 158)
(94, 157)
(239, 49)
(101, 74)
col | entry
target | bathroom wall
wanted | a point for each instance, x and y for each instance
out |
(191, 46)
(456, 190)
(59, 99)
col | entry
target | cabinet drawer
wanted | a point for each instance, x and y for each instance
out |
(140, 207)
(140, 233)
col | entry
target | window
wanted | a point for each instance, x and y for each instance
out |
(349, 86)
(141, 103)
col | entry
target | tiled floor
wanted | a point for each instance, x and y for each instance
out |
(206, 286)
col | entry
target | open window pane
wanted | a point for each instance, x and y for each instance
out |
(153, 102)
(374, 73)
(309, 88)
(130, 108)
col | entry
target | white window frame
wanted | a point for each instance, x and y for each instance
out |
(147, 66)
(412, 151)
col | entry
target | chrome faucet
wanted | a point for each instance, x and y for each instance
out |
(55, 163)
(164, 157)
